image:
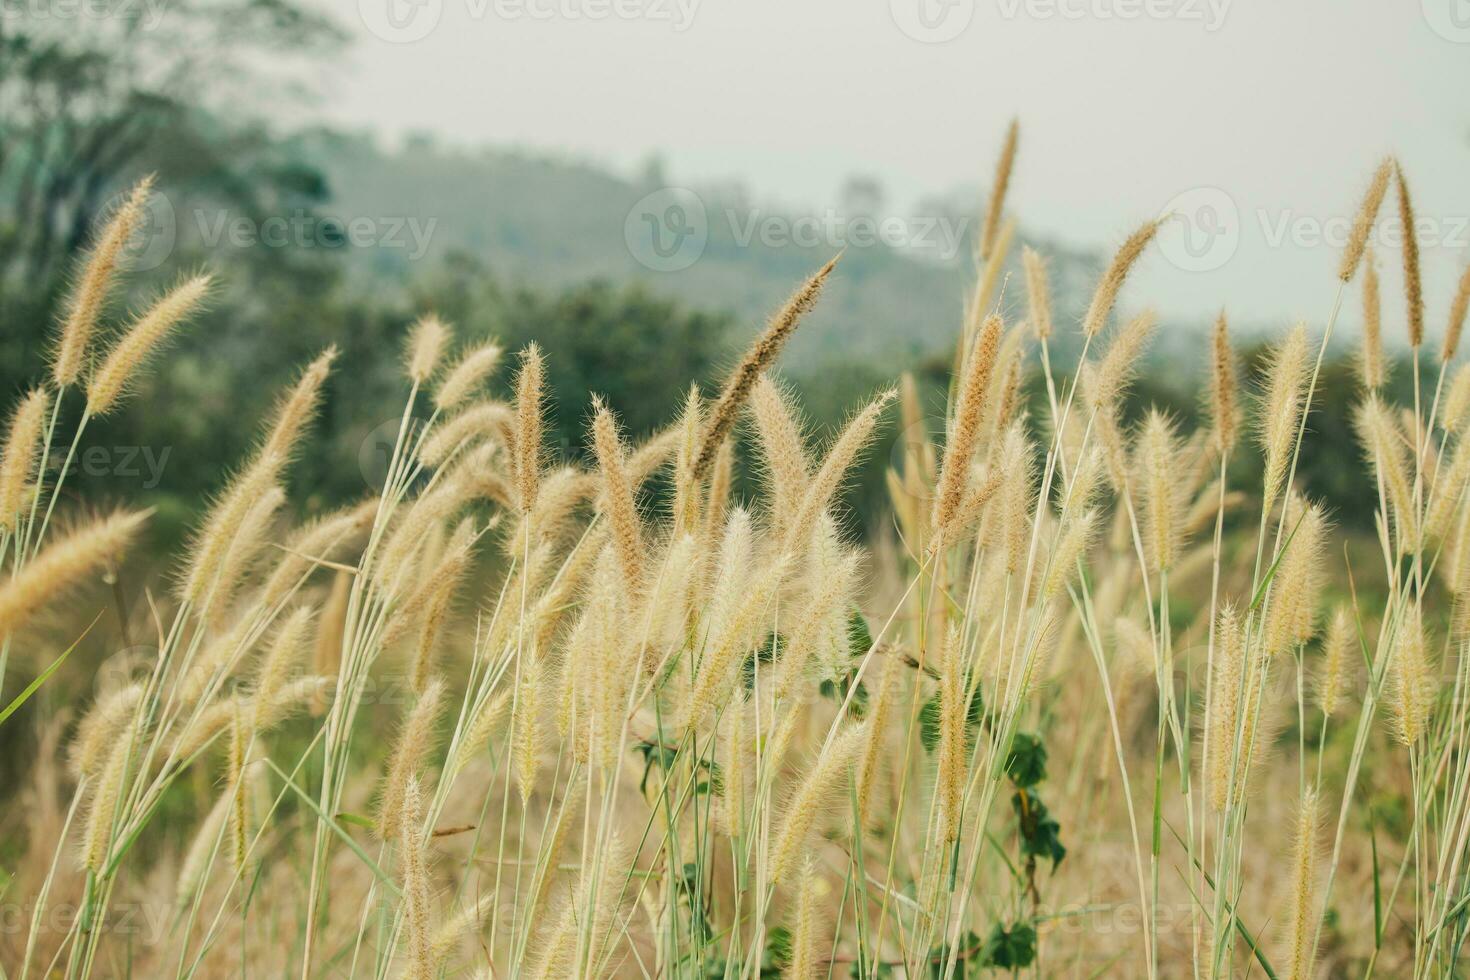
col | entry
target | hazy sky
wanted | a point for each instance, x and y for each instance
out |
(1267, 116)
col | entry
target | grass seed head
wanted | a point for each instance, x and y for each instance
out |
(1413, 686)
(1038, 293)
(964, 431)
(1371, 367)
(468, 373)
(297, 407)
(410, 750)
(88, 297)
(1335, 674)
(1456, 324)
(148, 333)
(1224, 387)
(1301, 914)
(426, 342)
(1384, 444)
(998, 187)
(759, 358)
(1281, 406)
(22, 449)
(617, 489)
(1413, 285)
(65, 564)
(1363, 222)
(1106, 295)
(526, 460)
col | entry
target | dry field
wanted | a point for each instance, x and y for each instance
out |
(1080, 708)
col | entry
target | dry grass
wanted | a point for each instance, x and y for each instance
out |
(514, 720)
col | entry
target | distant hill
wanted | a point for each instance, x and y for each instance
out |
(555, 222)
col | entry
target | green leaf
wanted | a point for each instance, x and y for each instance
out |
(772, 647)
(1041, 835)
(777, 954)
(1009, 949)
(929, 723)
(654, 754)
(929, 716)
(1026, 765)
(837, 691)
(357, 820)
(716, 777)
(975, 713)
(859, 637)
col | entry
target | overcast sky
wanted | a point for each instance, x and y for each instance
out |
(1260, 120)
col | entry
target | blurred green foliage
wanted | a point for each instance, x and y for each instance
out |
(637, 350)
(514, 246)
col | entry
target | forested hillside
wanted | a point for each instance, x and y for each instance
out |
(551, 221)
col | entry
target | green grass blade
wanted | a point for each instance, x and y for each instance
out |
(1271, 572)
(44, 675)
(1377, 885)
(336, 828)
(1240, 926)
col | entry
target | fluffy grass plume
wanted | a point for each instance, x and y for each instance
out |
(807, 961)
(1038, 293)
(1296, 590)
(121, 364)
(1299, 944)
(1335, 674)
(675, 708)
(1224, 387)
(998, 187)
(426, 343)
(817, 792)
(410, 750)
(64, 564)
(467, 374)
(101, 824)
(1413, 285)
(416, 892)
(964, 432)
(530, 395)
(782, 445)
(18, 461)
(1161, 491)
(1371, 367)
(1390, 457)
(758, 358)
(1363, 221)
(1106, 294)
(297, 407)
(1282, 404)
(1455, 323)
(627, 534)
(1412, 684)
(88, 296)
